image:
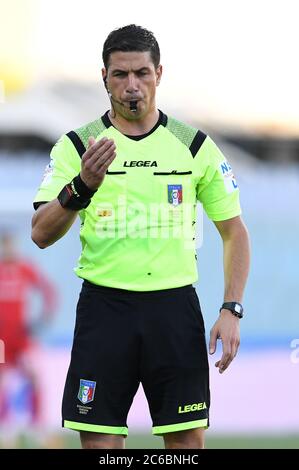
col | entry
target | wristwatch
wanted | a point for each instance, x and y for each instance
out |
(235, 307)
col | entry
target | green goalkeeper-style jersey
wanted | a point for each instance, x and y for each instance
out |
(138, 232)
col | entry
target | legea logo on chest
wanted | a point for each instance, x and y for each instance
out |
(140, 163)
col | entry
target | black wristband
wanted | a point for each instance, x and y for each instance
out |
(75, 195)
(81, 188)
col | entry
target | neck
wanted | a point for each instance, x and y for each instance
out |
(138, 126)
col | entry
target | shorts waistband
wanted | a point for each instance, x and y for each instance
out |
(116, 291)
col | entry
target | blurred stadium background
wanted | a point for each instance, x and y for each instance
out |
(235, 92)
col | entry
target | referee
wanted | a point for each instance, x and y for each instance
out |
(133, 176)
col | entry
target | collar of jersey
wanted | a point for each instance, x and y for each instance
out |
(162, 120)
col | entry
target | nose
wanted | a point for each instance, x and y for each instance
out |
(132, 85)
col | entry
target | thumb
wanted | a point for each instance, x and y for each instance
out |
(213, 341)
(91, 141)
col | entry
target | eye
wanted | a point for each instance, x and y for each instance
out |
(119, 74)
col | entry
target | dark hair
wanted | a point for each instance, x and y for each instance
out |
(131, 38)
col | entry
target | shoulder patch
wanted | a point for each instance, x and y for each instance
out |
(78, 144)
(197, 142)
(188, 135)
(93, 128)
(79, 137)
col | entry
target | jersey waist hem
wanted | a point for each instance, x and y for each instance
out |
(130, 287)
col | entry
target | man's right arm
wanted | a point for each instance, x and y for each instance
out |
(50, 222)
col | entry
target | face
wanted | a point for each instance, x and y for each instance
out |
(132, 76)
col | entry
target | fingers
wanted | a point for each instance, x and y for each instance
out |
(107, 163)
(97, 159)
(225, 358)
(230, 349)
(213, 340)
(100, 160)
(94, 147)
(104, 164)
(91, 141)
(102, 152)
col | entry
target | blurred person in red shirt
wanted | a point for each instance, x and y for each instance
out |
(18, 279)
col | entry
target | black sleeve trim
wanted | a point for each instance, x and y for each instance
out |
(197, 142)
(77, 142)
(37, 204)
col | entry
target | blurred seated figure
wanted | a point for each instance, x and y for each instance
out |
(20, 400)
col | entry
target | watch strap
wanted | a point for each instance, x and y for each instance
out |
(235, 307)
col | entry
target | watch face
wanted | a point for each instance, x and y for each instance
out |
(238, 308)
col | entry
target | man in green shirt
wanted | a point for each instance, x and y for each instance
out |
(134, 177)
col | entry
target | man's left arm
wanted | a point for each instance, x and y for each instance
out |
(236, 257)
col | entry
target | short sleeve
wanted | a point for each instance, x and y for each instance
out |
(217, 187)
(64, 165)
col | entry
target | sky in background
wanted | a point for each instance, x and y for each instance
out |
(234, 61)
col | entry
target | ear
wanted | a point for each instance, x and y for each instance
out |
(104, 76)
(159, 71)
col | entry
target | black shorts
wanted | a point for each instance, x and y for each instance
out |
(123, 338)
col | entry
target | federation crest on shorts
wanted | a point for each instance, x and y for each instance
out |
(175, 194)
(86, 391)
